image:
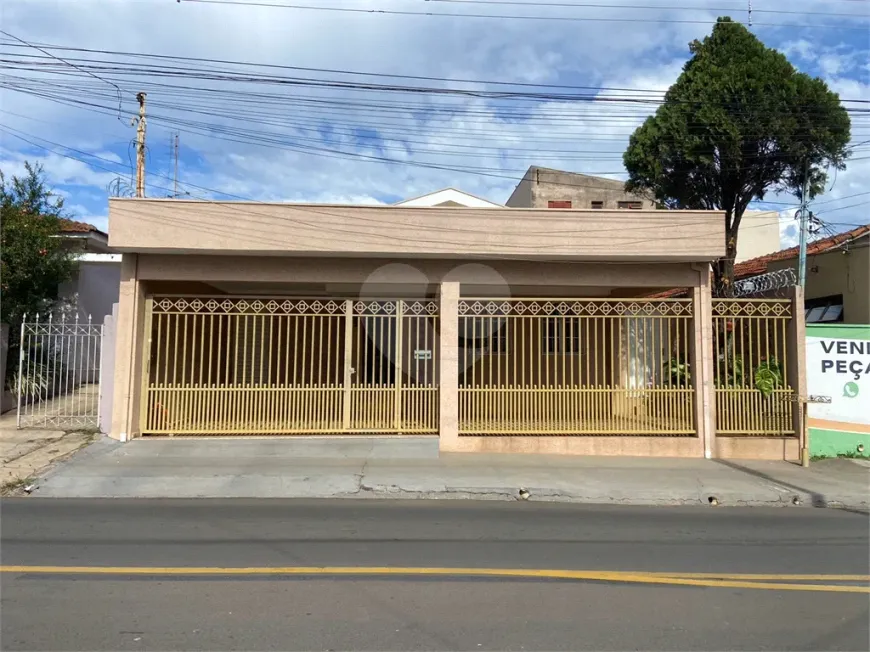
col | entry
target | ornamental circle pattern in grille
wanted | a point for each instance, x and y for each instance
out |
(292, 306)
(580, 307)
(748, 308)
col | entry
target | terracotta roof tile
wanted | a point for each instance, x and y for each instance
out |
(72, 226)
(758, 265)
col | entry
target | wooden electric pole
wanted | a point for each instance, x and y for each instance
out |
(140, 147)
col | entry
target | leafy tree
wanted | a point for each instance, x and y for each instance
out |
(33, 262)
(739, 121)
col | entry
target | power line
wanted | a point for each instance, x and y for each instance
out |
(828, 201)
(36, 47)
(308, 208)
(186, 72)
(356, 73)
(208, 129)
(582, 5)
(399, 12)
(340, 154)
(842, 208)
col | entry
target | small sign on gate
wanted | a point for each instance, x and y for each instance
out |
(422, 354)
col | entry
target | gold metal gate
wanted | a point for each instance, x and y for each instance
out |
(575, 367)
(751, 367)
(258, 365)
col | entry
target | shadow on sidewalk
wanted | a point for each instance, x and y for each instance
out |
(816, 499)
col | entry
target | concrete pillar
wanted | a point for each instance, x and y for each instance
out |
(796, 353)
(128, 351)
(448, 368)
(702, 363)
(107, 370)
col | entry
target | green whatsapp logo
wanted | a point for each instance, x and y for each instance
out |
(850, 390)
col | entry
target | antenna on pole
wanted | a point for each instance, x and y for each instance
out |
(750, 12)
(140, 146)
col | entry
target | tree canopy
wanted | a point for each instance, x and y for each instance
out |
(739, 122)
(33, 262)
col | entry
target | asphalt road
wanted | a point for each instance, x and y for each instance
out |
(46, 606)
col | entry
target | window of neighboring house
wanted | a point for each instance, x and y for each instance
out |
(824, 309)
(633, 205)
(562, 335)
(598, 204)
(484, 335)
(559, 203)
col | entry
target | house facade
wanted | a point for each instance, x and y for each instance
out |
(494, 329)
(838, 276)
(92, 290)
(547, 188)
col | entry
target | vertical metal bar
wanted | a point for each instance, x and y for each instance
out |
(21, 370)
(73, 407)
(43, 341)
(98, 342)
(348, 359)
(525, 353)
(52, 357)
(397, 367)
(177, 336)
(144, 397)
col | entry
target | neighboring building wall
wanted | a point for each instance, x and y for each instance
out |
(758, 235)
(541, 186)
(93, 289)
(448, 197)
(521, 197)
(843, 272)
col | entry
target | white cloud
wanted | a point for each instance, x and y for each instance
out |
(586, 137)
(801, 48)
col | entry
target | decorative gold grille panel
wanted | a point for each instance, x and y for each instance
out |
(751, 365)
(235, 365)
(575, 367)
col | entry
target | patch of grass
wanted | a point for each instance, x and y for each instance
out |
(12, 486)
(851, 455)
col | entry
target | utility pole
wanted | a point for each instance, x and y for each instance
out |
(140, 147)
(175, 175)
(805, 219)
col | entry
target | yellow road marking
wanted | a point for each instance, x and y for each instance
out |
(723, 580)
(762, 576)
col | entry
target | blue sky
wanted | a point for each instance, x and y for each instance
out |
(333, 152)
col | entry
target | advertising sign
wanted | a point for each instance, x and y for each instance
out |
(838, 365)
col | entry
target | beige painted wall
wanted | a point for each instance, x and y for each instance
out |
(845, 272)
(521, 197)
(758, 235)
(180, 226)
(264, 274)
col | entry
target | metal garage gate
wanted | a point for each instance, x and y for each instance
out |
(259, 365)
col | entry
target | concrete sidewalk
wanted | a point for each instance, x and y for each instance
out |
(412, 468)
(28, 452)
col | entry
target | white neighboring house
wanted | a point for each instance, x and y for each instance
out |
(93, 288)
(449, 197)
(758, 235)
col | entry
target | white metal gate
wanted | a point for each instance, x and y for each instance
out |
(58, 377)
